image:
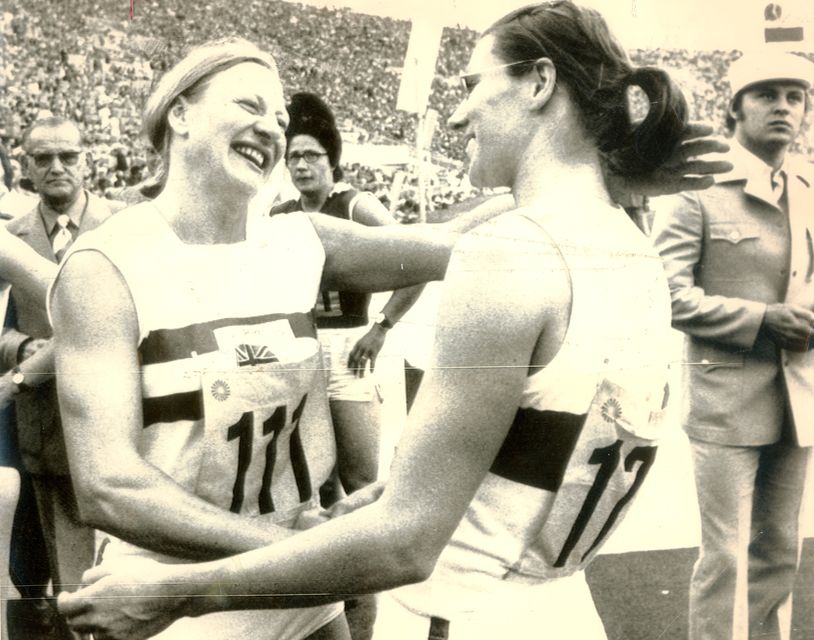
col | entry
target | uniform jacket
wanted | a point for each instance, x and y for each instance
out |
(38, 424)
(728, 253)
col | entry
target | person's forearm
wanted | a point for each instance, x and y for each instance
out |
(11, 343)
(320, 565)
(723, 319)
(39, 368)
(139, 504)
(393, 257)
(36, 370)
(23, 267)
(387, 258)
(401, 302)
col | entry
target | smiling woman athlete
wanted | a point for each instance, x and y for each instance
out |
(195, 415)
(532, 432)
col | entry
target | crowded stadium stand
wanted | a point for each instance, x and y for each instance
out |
(89, 61)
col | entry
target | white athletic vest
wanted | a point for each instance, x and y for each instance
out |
(234, 399)
(584, 435)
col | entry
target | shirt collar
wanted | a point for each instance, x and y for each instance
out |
(749, 168)
(746, 166)
(75, 212)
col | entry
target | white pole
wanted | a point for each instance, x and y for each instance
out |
(419, 159)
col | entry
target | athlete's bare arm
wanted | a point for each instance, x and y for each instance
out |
(99, 383)
(369, 211)
(463, 412)
(23, 267)
(382, 258)
(26, 270)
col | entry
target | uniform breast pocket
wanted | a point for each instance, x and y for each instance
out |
(710, 358)
(734, 233)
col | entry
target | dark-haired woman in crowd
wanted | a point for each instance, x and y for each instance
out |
(313, 153)
(538, 418)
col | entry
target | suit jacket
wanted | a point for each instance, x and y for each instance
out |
(729, 252)
(38, 425)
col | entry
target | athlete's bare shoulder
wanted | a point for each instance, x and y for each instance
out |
(512, 263)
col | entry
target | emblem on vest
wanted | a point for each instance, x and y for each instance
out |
(253, 354)
(220, 390)
(611, 410)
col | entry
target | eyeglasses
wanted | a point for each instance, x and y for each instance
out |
(309, 156)
(67, 158)
(470, 80)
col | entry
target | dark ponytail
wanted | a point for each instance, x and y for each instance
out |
(597, 73)
(636, 150)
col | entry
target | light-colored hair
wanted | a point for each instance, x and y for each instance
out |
(187, 78)
(51, 122)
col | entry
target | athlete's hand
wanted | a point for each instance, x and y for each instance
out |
(311, 518)
(132, 604)
(31, 347)
(357, 500)
(685, 170)
(366, 350)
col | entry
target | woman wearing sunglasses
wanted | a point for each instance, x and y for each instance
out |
(539, 416)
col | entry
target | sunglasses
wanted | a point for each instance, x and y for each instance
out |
(67, 158)
(309, 156)
(471, 80)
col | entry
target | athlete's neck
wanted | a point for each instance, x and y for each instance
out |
(202, 217)
(560, 180)
(560, 162)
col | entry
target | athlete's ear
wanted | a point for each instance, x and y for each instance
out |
(544, 82)
(178, 116)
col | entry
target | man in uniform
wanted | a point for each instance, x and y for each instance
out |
(740, 259)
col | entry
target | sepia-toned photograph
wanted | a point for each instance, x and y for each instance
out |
(386, 320)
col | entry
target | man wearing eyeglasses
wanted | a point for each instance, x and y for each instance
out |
(54, 162)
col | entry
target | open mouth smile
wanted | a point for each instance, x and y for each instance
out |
(257, 157)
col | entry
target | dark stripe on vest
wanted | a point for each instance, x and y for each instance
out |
(172, 408)
(439, 629)
(168, 345)
(537, 448)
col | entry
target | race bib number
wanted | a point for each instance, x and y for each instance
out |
(254, 460)
(608, 465)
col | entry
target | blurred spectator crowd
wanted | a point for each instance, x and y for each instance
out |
(87, 60)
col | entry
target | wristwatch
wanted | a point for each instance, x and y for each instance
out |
(18, 378)
(383, 321)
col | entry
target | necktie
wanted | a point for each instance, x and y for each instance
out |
(779, 189)
(63, 237)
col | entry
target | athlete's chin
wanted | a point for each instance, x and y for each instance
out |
(476, 174)
(483, 179)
